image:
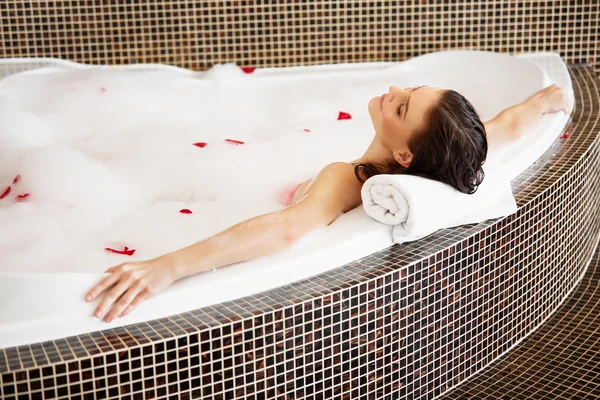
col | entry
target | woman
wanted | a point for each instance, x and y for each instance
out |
(421, 131)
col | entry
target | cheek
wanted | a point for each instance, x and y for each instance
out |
(388, 127)
(394, 132)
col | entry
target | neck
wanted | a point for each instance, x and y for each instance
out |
(376, 154)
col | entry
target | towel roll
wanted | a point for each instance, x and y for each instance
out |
(417, 207)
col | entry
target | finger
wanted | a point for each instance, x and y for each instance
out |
(112, 295)
(111, 269)
(143, 296)
(101, 286)
(565, 106)
(124, 301)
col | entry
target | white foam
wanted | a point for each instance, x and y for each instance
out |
(21, 129)
(124, 151)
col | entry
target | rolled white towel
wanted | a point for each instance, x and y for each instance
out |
(417, 207)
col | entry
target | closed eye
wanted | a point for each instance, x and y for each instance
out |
(399, 109)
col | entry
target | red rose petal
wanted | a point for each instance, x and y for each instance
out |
(6, 193)
(185, 211)
(17, 179)
(236, 142)
(126, 251)
(563, 136)
(344, 115)
(22, 197)
(248, 70)
(102, 89)
(306, 130)
(199, 144)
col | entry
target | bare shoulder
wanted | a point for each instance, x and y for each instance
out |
(342, 173)
(338, 184)
(335, 190)
(340, 169)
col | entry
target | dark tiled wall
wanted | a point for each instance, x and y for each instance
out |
(558, 361)
(197, 34)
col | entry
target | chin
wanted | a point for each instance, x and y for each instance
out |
(373, 108)
(370, 105)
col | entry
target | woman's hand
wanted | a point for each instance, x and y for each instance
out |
(552, 99)
(512, 123)
(130, 284)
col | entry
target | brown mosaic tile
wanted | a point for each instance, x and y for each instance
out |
(559, 360)
(196, 34)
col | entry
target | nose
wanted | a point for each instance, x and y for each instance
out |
(394, 91)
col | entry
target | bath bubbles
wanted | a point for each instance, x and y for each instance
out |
(226, 74)
(117, 161)
(59, 175)
(21, 129)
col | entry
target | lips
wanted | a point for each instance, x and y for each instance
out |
(381, 101)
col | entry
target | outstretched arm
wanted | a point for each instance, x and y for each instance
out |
(512, 123)
(335, 191)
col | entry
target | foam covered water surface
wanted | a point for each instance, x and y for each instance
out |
(108, 160)
(108, 157)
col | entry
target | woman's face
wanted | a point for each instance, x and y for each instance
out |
(399, 113)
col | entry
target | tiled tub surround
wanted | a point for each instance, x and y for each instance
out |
(560, 360)
(407, 322)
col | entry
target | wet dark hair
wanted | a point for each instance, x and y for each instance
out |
(451, 147)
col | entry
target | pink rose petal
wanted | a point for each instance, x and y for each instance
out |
(22, 197)
(5, 193)
(126, 251)
(307, 130)
(343, 115)
(236, 142)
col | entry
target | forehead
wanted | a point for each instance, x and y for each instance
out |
(421, 100)
(424, 93)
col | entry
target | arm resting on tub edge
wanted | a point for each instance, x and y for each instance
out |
(329, 196)
(512, 123)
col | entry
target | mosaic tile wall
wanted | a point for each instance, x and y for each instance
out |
(409, 322)
(196, 34)
(559, 361)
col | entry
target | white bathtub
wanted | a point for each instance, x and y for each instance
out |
(37, 307)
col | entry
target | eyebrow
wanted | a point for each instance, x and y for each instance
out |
(408, 101)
